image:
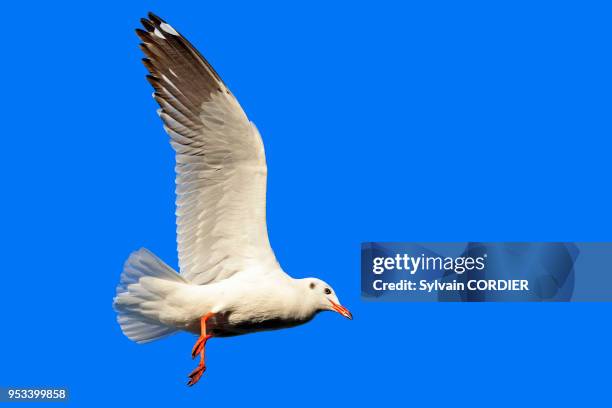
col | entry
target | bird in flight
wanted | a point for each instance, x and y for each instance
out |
(230, 282)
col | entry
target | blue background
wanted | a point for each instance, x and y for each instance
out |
(422, 122)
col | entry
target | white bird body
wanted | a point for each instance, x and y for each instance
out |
(242, 304)
(230, 282)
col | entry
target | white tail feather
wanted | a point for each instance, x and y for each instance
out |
(138, 324)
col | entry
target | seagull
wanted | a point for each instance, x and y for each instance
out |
(230, 282)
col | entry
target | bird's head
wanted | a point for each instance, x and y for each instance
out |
(324, 297)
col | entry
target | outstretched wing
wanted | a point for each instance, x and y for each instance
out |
(220, 161)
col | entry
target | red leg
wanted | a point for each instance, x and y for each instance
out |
(198, 348)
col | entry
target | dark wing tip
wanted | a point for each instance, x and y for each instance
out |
(153, 80)
(142, 34)
(147, 24)
(155, 19)
(149, 66)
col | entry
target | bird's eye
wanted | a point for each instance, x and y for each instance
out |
(327, 291)
(312, 285)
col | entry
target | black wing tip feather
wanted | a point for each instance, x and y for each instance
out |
(156, 19)
(142, 34)
(170, 55)
(154, 81)
(147, 24)
(150, 24)
(148, 64)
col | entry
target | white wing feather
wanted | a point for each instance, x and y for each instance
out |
(220, 162)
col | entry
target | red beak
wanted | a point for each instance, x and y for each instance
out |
(342, 310)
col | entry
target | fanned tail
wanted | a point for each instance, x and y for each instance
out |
(140, 296)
